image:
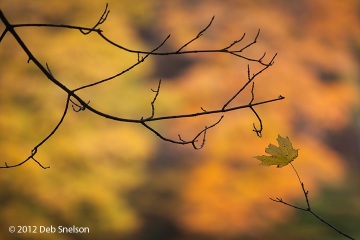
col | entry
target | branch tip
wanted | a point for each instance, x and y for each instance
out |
(42, 166)
(197, 36)
(308, 208)
(102, 19)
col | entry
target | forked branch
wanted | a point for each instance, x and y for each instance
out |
(197, 36)
(79, 104)
(101, 21)
(308, 207)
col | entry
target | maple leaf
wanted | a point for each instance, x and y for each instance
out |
(279, 156)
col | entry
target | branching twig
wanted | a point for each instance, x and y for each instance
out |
(157, 91)
(308, 208)
(250, 79)
(256, 130)
(126, 70)
(182, 141)
(138, 52)
(197, 36)
(77, 107)
(101, 21)
(204, 137)
(235, 42)
(35, 149)
(78, 104)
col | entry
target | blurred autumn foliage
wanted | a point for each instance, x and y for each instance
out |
(121, 181)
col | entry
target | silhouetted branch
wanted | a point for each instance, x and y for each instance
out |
(154, 100)
(197, 36)
(126, 70)
(250, 79)
(235, 42)
(35, 149)
(94, 29)
(308, 208)
(204, 132)
(101, 21)
(77, 107)
(181, 140)
(78, 104)
(256, 130)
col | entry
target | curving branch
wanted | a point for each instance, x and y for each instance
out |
(101, 21)
(139, 61)
(35, 149)
(182, 141)
(256, 130)
(79, 104)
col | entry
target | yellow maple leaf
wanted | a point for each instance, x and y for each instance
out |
(279, 156)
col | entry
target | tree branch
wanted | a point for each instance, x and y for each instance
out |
(308, 208)
(35, 149)
(257, 131)
(197, 36)
(250, 79)
(140, 60)
(101, 21)
(78, 104)
(153, 101)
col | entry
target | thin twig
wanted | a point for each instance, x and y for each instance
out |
(124, 71)
(157, 91)
(181, 140)
(197, 36)
(252, 43)
(94, 29)
(308, 208)
(4, 32)
(235, 42)
(256, 130)
(77, 107)
(78, 104)
(204, 137)
(101, 21)
(35, 149)
(250, 79)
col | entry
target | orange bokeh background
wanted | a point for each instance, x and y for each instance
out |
(121, 180)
